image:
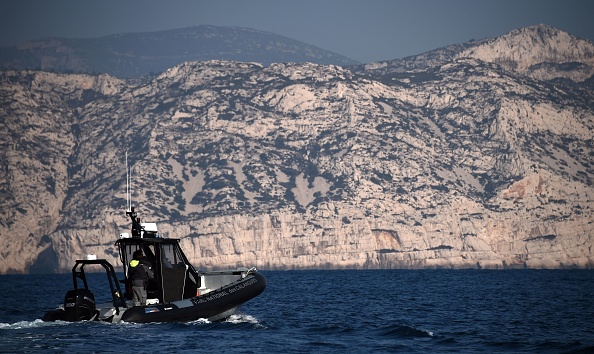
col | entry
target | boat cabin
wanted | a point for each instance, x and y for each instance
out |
(174, 277)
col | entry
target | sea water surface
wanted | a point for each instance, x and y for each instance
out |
(349, 311)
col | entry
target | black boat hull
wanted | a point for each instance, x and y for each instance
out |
(205, 306)
(215, 305)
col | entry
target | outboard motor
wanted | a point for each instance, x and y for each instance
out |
(79, 305)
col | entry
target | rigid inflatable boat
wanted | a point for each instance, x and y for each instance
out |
(177, 293)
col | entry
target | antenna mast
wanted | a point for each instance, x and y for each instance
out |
(128, 185)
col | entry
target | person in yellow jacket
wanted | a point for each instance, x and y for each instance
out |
(139, 274)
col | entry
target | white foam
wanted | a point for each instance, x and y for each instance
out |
(199, 321)
(28, 324)
(241, 318)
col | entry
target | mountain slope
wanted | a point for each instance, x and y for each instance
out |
(134, 55)
(461, 164)
(540, 52)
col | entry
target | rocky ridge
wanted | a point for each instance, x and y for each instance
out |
(459, 163)
(559, 54)
(540, 52)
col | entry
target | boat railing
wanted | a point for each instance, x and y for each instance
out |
(78, 272)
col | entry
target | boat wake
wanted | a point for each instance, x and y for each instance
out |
(238, 318)
(31, 324)
(242, 318)
(38, 323)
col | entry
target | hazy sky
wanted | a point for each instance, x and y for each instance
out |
(364, 30)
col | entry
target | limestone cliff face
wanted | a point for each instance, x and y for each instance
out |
(541, 52)
(39, 112)
(463, 163)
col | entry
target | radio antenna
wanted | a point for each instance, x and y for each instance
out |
(128, 185)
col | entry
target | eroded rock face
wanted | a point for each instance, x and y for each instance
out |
(463, 163)
(541, 52)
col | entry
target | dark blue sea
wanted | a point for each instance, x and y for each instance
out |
(379, 311)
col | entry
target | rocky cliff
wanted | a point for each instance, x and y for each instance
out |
(540, 52)
(456, 163)
(558, 54)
